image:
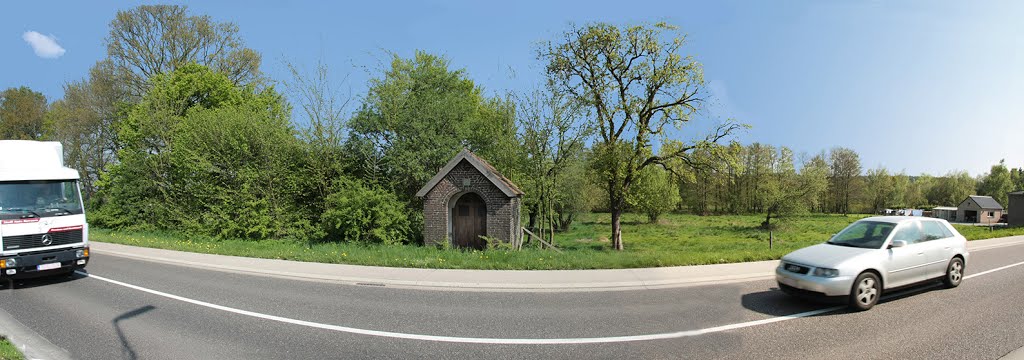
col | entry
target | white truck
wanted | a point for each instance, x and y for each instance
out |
(42, 221)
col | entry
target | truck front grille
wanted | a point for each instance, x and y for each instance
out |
(36, 240)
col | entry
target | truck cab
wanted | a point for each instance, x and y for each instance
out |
(43, 230)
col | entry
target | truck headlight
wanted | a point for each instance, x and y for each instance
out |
(80, 253)
(8, 263)
(825, 272)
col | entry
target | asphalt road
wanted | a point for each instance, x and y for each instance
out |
(95, 319)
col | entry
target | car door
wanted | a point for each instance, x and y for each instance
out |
(905, 265)
(938, 246)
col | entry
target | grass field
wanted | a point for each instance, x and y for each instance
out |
(8, 351)
(675, 240)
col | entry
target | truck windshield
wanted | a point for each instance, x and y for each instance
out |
(29, 199)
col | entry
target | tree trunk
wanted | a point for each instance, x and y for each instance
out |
(617, 228)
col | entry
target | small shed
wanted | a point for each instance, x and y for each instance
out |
(947, 213)
(1015, 209)
(468, 200)
(979, 210)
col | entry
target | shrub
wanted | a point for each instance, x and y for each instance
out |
(356, 212)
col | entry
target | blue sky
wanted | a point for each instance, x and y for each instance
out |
(920, 86)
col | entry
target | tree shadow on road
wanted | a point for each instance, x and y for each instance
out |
(126, 346)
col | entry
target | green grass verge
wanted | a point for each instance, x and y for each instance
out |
(8, 351)
(984, 232)
(675, 240)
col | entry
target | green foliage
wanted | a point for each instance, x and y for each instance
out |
(205, 156)
(653, 193)
(419, 114)
(22, 111)
(84, 122)
(366, 214)
(951, 189)
(997, 183)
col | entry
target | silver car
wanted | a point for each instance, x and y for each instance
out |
(873, 255)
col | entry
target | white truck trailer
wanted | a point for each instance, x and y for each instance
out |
(42, 221)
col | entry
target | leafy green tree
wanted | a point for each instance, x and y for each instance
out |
(84, 121)
(997, 183)
(551, 137)
(917, 188)
(157, 39)
(795, 191)
(653, 193)
(880, 190)
(951, 189)
(419, 114)
(844, 178)
(141, 187)
(635, 84)
(233, 174)
(22, 112)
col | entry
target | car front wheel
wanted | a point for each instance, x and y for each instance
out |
(954, 273)
(866, 291)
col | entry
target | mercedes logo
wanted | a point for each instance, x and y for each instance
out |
(47, 240)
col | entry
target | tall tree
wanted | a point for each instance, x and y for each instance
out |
(85, 121)
(419, 113)
(997, 183)
(843, 178)
(951, 189)
(22, 112)
(156, 39)
(794, 191)
(551, 136)
(879, 189)
(636, 85)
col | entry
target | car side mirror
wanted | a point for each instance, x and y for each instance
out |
(897, 243)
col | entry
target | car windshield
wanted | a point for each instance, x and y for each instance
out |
(30, 199)
(863, 234)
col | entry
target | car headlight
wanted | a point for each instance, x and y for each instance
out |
(825, 272)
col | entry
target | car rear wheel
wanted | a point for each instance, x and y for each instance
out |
(865, 292)
(954, 273)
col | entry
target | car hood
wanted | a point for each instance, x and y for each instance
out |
(825, 255)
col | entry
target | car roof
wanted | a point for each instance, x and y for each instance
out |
(897, 219)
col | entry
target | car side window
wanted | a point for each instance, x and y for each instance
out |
(909, 232)
(933, 230)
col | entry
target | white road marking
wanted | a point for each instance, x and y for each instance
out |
(994, 270)
(496, 341)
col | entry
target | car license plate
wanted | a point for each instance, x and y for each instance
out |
(788, 281)
(50, 266)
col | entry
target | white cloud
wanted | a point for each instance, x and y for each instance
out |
(44, 46)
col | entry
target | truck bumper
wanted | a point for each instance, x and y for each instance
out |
(39, 264)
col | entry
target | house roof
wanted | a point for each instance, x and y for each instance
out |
(985, 202)
(1018, 192)
(505, 185)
